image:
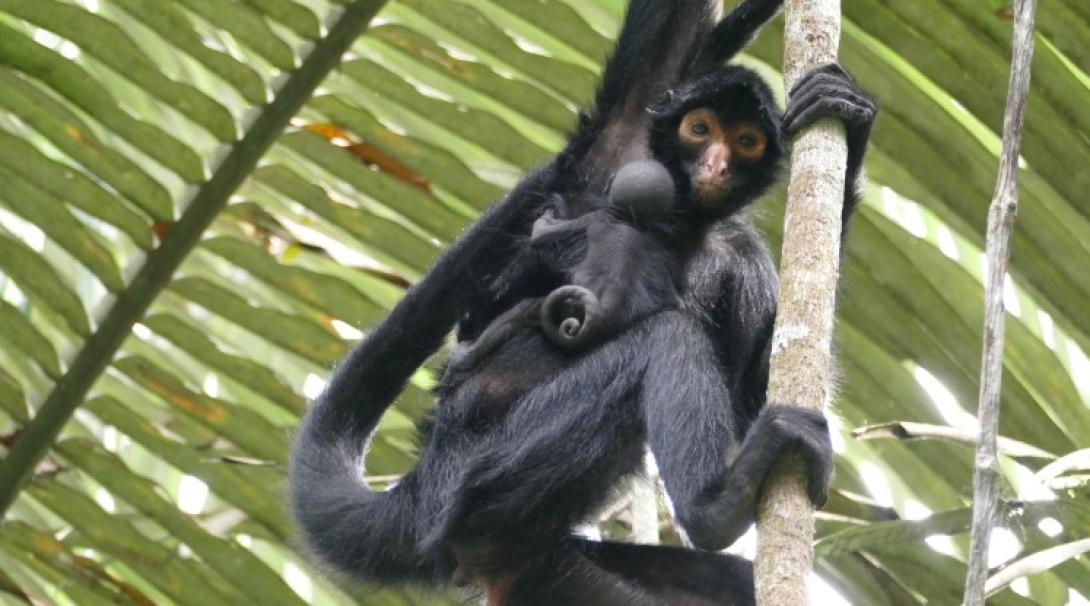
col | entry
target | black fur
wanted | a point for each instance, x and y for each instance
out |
(615, 266)
(532, 440)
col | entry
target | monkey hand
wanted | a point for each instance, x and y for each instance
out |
(829, 92)
(804, 431)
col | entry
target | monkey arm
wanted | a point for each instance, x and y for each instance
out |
(712, 474)
(716, 516)
(712, 455)
(735, 31)
(418, 323)
(547, 226)
(693, 431)
(467, 355)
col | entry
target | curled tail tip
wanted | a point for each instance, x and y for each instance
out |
(570, 328)
(566, 315)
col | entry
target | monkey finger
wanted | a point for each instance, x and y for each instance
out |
(828, 70)
(826, 92)
(814, 97)
(830, 86)
(819, 467)
(849, 113)
(830, 80)
(808, 431)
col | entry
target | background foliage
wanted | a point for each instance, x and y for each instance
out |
(181, 285)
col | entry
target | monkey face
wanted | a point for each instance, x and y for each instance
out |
(716, 153)
(719, 136)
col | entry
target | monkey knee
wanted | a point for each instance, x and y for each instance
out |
(699, 528)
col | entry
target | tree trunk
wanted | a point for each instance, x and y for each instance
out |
(1000, 227)
(802, 344)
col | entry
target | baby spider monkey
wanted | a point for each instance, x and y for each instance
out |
(615, 265)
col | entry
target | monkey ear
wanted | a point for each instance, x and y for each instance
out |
(662, 106)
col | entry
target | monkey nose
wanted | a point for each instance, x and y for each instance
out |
(717, 160)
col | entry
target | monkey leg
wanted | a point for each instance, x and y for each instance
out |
(602, 573)
(554, 455)
(466, 356)
(553, 459)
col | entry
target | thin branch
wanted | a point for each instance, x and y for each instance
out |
(892, 534)
(1072, 461)
(908, 430)
(643, 510)
(185, 234)
(1001, 216)
(1039, 562)
(801, 361)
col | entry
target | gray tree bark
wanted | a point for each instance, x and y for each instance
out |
(802, 344)
(1001, 216)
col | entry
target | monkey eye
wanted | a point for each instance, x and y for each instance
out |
(747, 141)
(700, 128)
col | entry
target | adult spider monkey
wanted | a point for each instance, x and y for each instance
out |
(532, 440)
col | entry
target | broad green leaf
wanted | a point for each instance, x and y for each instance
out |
(35, 275)
(77, 85)
(71, 134)
(42, 209)
(941, 576)
(21, 334)
(406, 200)
(563, 22)
(247, 25)
(311, 341)
(243, 427)
(177, 28)
(226, 557)
(450, 173)
(258, 378)
(319, 290)
(474, 125)
(517, 95)
(470, 24)
(111, 45)
(289, 14)
(369, 229)
(182, 580)
(12, 399)
(81, 579)
(230, 483)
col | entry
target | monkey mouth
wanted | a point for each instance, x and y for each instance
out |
(710, 194)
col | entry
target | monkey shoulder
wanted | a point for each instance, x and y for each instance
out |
(730, 272)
